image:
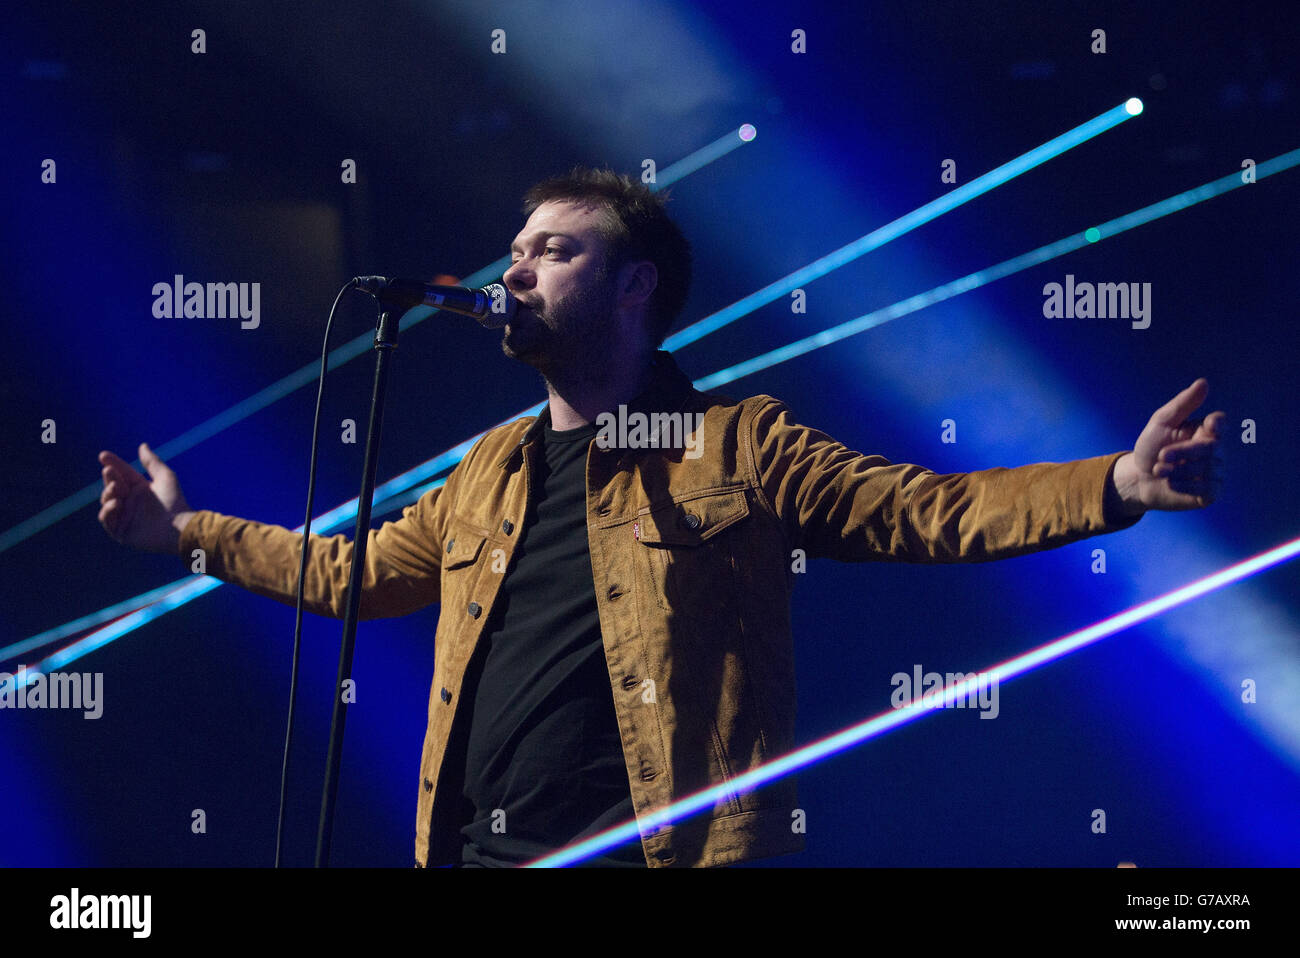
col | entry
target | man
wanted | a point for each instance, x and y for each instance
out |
(615, 624)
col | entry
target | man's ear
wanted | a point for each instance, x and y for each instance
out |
(637, 281)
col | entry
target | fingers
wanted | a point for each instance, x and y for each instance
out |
(115, 468)
(1213, 424)
(116, 502)
(1174, 412)
(1192, 451)
(1193, 442)
(157, 468)
(1195, 472)
(1204, 429)
(115, 517)
(109, 517)
(1197, 455)
(121, 498)
(114, 460)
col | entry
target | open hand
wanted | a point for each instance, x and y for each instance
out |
(142, 513)
(1177, 461)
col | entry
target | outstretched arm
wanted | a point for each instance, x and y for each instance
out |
(841, 504)
(403, 558)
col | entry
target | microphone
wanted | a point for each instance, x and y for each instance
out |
(493, 305)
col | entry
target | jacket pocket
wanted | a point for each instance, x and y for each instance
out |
(465, 551)
(680, 543)
(463, 546)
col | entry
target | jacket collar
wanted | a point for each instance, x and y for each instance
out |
(667, 391)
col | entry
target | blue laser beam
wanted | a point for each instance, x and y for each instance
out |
(906, 223)
(49, 636)
(178, 593)
(1094, 234)
(704, 156)
(874, 727)
(337, 357)
(392, 490)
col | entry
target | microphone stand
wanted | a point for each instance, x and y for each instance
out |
(385, 343)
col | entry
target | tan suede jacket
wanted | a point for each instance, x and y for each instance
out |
(692, 552)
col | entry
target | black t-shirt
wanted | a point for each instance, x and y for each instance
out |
(544, 762)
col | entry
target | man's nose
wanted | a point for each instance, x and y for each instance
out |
(518, 277)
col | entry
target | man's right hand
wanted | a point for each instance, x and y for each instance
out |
(142, 513)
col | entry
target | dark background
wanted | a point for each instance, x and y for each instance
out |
(225, 166)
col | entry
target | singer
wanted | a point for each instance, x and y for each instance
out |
(614, 631)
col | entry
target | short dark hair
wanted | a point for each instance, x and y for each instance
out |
(636, 227)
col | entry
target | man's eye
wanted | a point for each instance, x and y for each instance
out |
(558, 250)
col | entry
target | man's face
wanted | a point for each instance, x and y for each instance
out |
(565, 325)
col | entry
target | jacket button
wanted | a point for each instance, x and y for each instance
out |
(451, 544)
(648, 774)
(630, 682)
(507, 527)
(428, 785)
(614, 592)
(691, 522)
(446, 697)
(474, 609)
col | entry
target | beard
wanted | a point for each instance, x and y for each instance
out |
(570, 341)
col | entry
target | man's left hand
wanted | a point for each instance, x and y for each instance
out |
(1177, 462)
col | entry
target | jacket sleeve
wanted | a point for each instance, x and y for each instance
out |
(840, 504)
(403, 559)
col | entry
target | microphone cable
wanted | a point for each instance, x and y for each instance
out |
(302, 569)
